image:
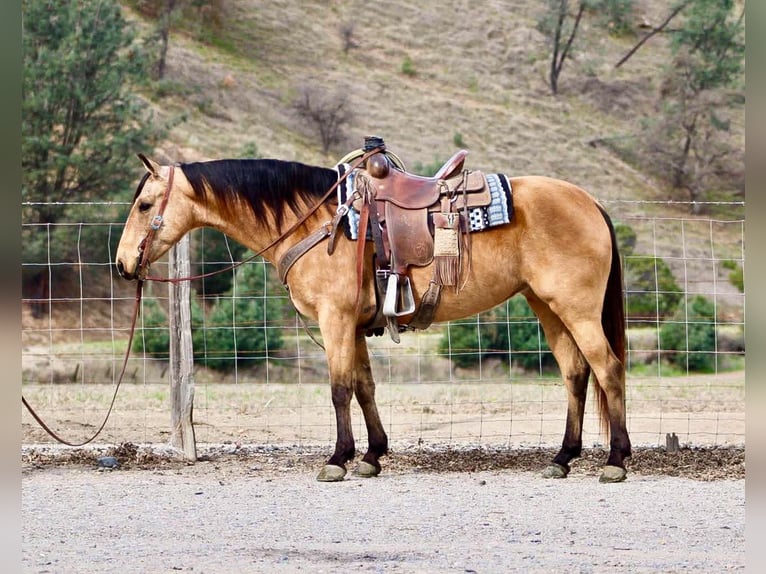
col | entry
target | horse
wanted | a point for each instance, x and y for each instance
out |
(558, 250)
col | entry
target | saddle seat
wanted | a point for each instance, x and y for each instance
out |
(407, 190)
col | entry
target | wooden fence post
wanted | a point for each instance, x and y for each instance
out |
(181, 352)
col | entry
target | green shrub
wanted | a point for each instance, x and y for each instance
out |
(408, 68)
(237, 331)
(214, 251)
(688, 338)
(509, 331)
(152, 336)
(651, 290)
(736, 274)
(626, 238)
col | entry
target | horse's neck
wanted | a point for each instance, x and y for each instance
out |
(243, 227)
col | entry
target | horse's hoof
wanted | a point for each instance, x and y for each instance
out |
(554, 470)
(366, 470)
(613, 473)
(331, 473)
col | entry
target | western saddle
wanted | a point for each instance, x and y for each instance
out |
(414, 221)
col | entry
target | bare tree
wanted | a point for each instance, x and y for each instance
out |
(327, 113)
(656, 30)
(163, 30)
(346, 31)
(555, 25)
(688, 143)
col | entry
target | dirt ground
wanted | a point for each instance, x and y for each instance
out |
(259, 509)
(460, 490)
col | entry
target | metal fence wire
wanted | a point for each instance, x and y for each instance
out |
(488, 380)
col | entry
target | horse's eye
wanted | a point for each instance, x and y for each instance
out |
(144, 206)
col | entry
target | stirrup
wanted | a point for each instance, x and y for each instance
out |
(399, 300)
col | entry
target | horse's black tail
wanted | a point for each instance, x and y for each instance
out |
(613, 316)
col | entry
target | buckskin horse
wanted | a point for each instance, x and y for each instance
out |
(557, 249)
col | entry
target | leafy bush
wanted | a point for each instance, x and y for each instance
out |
(214, 251)
(688, 339)
(408, 67)
(510, 331)
(736, 274)
(651, 290)
(626, 238)
(152, 335)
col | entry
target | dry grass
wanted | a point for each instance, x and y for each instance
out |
(478, 70)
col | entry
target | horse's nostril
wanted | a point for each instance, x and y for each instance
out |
(120, 269)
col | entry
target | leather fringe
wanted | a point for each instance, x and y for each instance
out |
(447, 270)
(447, 252)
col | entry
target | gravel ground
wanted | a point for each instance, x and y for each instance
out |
(432, 510)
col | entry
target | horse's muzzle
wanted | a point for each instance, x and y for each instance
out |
(124, 273)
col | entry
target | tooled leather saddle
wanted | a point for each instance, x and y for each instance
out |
(415, 221)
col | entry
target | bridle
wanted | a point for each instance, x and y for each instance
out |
(144, 248)
(154, 226)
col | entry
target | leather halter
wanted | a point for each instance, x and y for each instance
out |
(145, 245)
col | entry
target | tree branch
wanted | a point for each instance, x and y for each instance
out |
(653, 32)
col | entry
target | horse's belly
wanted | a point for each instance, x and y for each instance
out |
(492, 277)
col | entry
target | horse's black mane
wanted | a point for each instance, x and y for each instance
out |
(266, 185)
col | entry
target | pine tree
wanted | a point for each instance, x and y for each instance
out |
(82, 122)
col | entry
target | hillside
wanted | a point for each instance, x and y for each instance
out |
(478, 77)
(479, 72)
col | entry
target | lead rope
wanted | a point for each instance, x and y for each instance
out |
(52, 433)
(143, 250)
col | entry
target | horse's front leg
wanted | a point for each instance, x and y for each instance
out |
(365, 393)
(341, 359)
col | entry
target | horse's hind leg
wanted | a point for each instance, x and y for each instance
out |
(365, 394)
(575, 372)
(610, 375)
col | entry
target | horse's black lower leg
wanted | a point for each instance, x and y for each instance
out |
(365, 395)
(619, 445)
(378, 441)
(344, 444)
(571, 446)
(610, 375)
(575, 372)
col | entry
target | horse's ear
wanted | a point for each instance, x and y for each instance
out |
(152, 166)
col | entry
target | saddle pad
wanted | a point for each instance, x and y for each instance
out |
(498, 212)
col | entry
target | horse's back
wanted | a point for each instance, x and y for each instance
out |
(557, 241)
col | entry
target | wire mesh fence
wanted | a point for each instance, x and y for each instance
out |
(487, 380)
